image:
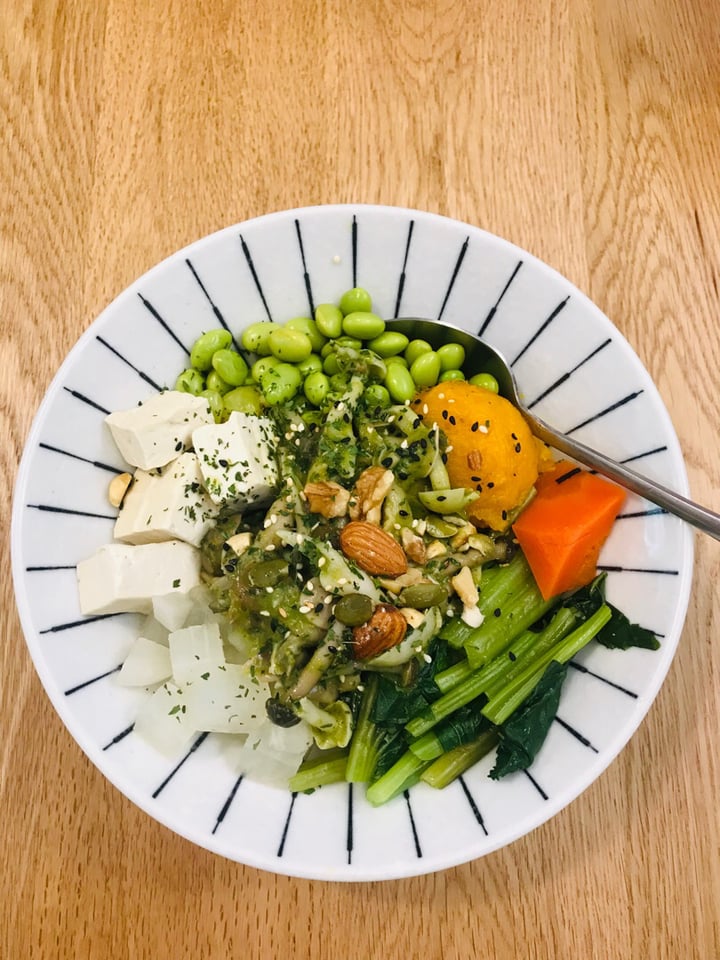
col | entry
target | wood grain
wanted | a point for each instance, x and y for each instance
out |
(588, 133)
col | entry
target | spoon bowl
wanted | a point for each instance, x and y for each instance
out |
(483, 358)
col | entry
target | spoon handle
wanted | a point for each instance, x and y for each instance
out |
(656, 493)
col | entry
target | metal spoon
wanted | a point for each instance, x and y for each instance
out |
(483, 357)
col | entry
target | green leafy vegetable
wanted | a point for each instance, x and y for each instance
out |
(522, 735)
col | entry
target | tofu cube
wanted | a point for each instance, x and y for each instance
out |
(237, 460)
(154, 433)
(121, 578)
(167, 504)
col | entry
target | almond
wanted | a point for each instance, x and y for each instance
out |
(386, 628)
(373, 549)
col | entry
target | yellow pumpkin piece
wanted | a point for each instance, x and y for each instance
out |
(491, 449)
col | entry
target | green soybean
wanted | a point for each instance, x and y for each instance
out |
(401, 361)
(316, 387)
(363, 325)
(485, 380)
(205, 346)
(451, 375)
(215, 402)
(376, 395)
(452, 356)
(415, 349)
(399, 383)
(389, 344)
(190, 381)
(331, 365)
(311, 365)
(261, 365)
(328, 319)
(243, 400)
(425, 370)
(280, 384)
(215, 382)
(255, 337)
(308, 326)
(357, 299)
(230, 366)
(288, 345)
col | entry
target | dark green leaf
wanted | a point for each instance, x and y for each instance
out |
(396, 705)
(461, 727)
(620, 634)
(522, 734)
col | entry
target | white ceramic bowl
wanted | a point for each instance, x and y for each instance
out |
(567, 355)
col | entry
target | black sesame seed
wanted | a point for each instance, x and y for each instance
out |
(476, 479)
(178, 445)
(444, 414)
(452, 420)
(386, 462)
(331, 648)
(475, 427)
(504, 514)
(403, 513)
(497, 611)
(518, 448)
(222, 463)
(319, 607)
(490, 484)
(416, 423)
(441, 498)
(511, 656)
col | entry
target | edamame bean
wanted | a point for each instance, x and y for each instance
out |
(255, 337)
(190, 381)
(363, 325)
(205, 346)
(451, 375)
(415, 349)
(243, 400)
(230, 366)
(308, 326)
(313, 364)
(215, 382)
(215, 402)
(316, 387)
(261, 365)
(356, 299)
(288, 345)
(332, 345)
(389, 344)
(280, 384)
(331, 365)
(328, 319)
(376, 395)
(425, 370)
(485, 380)
(452, 356)
(399, 360)
(399, 383)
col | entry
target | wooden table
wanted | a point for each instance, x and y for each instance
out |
(587, 132)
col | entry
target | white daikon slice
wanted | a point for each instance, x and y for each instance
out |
(272, 754)
(163, 721)
(226, 699)
(194, 651)
(147, 663)
(172, 609)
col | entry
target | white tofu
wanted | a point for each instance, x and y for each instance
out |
(170, 504)
(152, 434)
(237, 461)
(121, 578)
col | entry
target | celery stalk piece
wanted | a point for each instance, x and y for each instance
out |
(455, 762)
(363, 753)
(402, 773)
(319, 774)
(511, 696)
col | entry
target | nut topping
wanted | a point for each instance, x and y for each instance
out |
(327, 498)
(372, 549)
(385, 629)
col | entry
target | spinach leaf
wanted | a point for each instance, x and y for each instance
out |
(461, 727)
(397, 705)
(619, 633)
(522, 734)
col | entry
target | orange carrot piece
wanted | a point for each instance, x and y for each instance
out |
(563, 529)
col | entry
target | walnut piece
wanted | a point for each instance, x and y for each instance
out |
(371, 488)
(413, 545)
(327, 498)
